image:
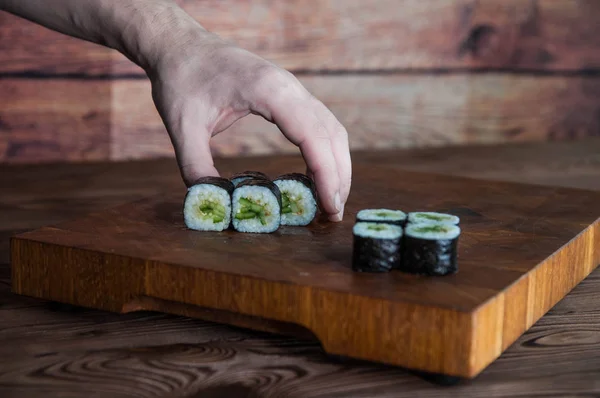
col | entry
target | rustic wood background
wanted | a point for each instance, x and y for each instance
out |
(397, 73)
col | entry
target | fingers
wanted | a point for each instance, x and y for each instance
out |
(322, 140)
(341, 153)
(301, 125)
(318, 154)
(276, 95)
(193, 154)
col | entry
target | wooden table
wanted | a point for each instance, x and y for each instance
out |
(52, 350)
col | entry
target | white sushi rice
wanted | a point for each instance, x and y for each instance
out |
(432, 217)
(432, 231)
(199, 194)
(302, 195)
(381, 215)
(262, 196)
(377, 230)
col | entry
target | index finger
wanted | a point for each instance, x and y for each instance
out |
(301, 124)
(281, 98)
(341, 150)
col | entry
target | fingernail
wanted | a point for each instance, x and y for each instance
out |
(335, 217)
(337, 202)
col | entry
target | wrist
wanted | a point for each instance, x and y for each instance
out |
(147, 32)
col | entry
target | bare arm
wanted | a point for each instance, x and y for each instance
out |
(201, 85)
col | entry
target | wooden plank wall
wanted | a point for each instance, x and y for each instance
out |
(400, 73)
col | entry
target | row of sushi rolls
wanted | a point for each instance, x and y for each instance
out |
(250, 202)
(421, 242)
(384, 239)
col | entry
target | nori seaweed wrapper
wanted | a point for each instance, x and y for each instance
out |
(216, 181)
(429, 257)
(255, 175)
(302, 178)
(375, 254)
(263, 183)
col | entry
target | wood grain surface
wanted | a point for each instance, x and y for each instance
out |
(435, 73)
(392, 111)
(30, 49)
(546, 238)
(54, 120)
(64, 121)
(51, 351)
(410, 34)
(316, 35)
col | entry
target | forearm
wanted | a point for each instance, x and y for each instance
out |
(140, 29)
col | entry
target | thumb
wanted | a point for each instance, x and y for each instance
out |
(191, 142)
(192, 150)
(190, 138)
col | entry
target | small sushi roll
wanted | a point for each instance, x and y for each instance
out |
(256, 206)
(386, 216)
(377, 247)
(430, 217)
(247, 175)
(430, 249)
(298, 199)
(207, 205)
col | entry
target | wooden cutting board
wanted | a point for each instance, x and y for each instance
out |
(522, 249)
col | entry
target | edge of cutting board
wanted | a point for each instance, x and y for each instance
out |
(437, 340)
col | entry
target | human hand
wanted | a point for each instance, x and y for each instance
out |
(201, 85)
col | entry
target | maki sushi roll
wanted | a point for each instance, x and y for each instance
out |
(430, 249)
(386, 216)
(256, 206)
(247, 175)
(298, 199)
(376, 247)
(207, 204)
(430, 217)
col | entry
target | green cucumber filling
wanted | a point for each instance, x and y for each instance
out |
(250, 209)
(431, 217)
(377, 227)
(431, 228)
(290, 205)
(385, 214)
(210, 209)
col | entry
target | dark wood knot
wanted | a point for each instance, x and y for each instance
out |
(477, 40)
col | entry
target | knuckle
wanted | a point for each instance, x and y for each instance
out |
(271, 81)
(266, 72)
(266, 75)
